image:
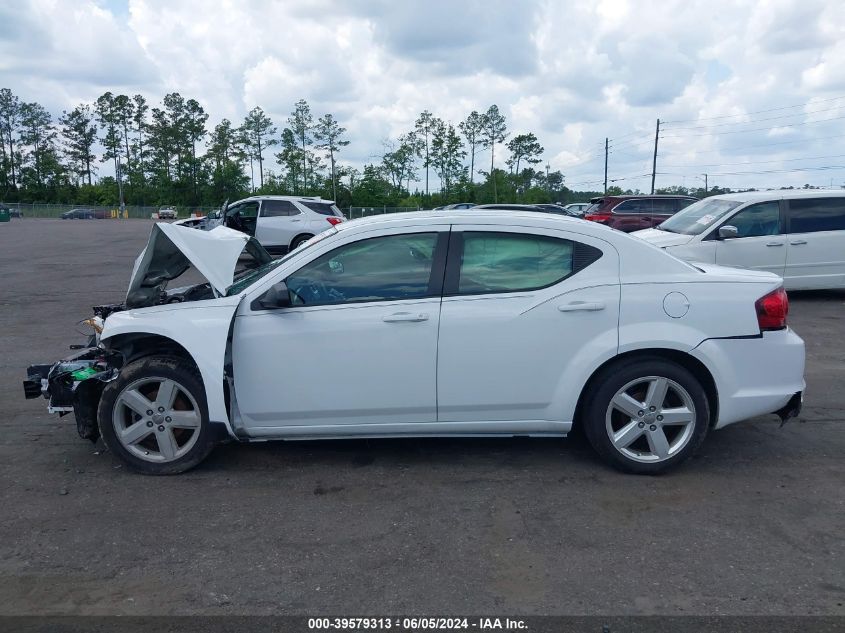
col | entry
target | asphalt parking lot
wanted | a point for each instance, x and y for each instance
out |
(753, 525)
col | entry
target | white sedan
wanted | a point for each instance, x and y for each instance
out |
(421, 324)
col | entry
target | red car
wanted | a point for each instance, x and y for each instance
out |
(632, 213)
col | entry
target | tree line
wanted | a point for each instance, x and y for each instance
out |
(166, 153)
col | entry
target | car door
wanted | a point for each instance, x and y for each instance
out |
(760, 243)
(358, 346)
(632, 215)
(521, 307)
(815, 253)
(662, 209)
(243, 217)
(278, 223)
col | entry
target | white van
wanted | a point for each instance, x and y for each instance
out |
(799, 235)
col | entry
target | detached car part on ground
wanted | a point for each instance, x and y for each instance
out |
(429, 325)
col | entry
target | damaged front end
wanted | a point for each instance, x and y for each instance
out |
(75, 383)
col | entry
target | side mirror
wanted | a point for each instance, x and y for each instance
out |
(727, 232)
(275, 298)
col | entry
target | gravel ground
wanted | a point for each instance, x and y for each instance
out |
(752, 525)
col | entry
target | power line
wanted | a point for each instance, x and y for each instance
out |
(756, 129)
(726, 116)
(771, 118)
(760, 162)
(764, 171)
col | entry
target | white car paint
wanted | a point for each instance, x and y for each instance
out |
(214, 253)
(805, 260)
(510, 363)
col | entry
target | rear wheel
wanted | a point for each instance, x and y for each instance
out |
(299, 240)
(154, 416)
(646, 416)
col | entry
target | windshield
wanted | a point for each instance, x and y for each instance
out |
(246, 278)
(699, 216)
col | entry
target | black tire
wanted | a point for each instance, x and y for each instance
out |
(298, 240)
(606, 386)
(189, 381)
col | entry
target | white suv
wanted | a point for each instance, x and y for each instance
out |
(281, 223)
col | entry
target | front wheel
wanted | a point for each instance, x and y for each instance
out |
(646, 416)
(154, 416)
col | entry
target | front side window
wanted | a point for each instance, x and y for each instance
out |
(816, 214)
(384, 268)
(633, 206)
(244, 210)
(514, 262)
(278, 209)
(665, 206)
(757, 220)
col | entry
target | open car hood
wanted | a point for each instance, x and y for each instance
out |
(172, 249)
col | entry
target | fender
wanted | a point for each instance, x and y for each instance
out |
(201, 327)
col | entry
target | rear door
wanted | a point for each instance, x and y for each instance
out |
(632, 215)
(815, 253)
(663, 209)
(761, 241)
(278, 222)
(521, 306)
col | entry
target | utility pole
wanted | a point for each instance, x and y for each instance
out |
(654, 162)
(705, 184)
(605, 164)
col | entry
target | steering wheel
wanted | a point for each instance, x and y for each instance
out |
(317, 292)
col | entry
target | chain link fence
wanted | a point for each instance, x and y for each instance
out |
(362, 212)
(35, 210)
(30, 210)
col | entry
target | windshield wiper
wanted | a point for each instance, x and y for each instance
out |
(662, 228)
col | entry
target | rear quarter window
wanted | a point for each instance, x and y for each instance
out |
(323, 208)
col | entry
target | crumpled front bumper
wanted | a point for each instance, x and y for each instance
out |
(74, 385)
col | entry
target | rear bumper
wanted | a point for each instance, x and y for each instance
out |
(755, 376)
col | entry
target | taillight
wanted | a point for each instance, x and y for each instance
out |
(598, 217)
(334, 220)
(772, 310)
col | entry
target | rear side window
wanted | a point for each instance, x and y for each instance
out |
(665, 205)
(323, 208)
(512, 262)
(816, 214)
(278, 208)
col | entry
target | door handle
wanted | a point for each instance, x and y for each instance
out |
(294, 220)
(774, 244)
(581, 306)
(411, 317)
(798, 242)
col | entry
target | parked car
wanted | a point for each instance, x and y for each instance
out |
(799, 235)
(282, 223)
(556, 208)
(167, 213)
(507, 206)
(191, 222)
(420, 324)
(577, 209)
(78, 214)
(14, 212)
(633, 213)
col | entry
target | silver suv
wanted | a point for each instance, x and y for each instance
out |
(281, 223)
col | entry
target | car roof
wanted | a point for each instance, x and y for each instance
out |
(778, 194)
(291, 198)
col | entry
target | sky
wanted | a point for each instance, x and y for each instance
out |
(751, 93)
